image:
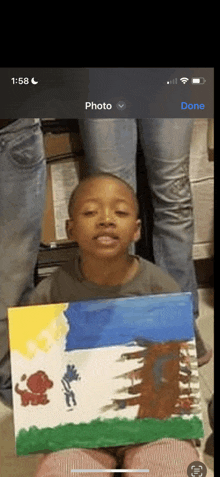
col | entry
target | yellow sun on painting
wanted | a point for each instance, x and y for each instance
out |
(33, 328)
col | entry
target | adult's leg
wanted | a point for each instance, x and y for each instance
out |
(110, 146)
(22, 192)
(163, 458)
(62, 463)
(166, 146)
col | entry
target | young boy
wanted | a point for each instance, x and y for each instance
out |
(103, 212)
(104, 222)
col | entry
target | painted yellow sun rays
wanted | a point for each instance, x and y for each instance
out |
(34, 328)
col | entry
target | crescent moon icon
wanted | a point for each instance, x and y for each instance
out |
(33, 81)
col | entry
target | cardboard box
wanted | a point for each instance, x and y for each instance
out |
(62, 177)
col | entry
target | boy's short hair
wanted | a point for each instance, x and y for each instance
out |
(97, 175)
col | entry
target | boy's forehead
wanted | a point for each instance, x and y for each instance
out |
(97, 184)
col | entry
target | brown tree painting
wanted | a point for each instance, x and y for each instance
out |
(166, 380)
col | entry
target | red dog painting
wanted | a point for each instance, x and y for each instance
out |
(37, 384)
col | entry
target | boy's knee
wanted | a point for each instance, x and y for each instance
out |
(63, 463)
(165, 457)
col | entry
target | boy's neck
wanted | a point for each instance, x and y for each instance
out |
(105, 272)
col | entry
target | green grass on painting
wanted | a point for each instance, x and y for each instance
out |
(106, 433)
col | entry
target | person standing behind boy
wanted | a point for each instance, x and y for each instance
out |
(22, 196)
(104, 222)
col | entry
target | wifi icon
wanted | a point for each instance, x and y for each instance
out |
(184, 80)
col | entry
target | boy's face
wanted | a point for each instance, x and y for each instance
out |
(104, 220)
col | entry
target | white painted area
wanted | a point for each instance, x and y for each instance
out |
(102, 380)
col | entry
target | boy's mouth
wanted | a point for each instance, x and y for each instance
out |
(105, 238)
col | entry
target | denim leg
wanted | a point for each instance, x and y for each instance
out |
(22, 193)
(110, 145)
(166, 146)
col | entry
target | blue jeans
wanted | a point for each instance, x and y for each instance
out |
(110, 146)
(22, 192)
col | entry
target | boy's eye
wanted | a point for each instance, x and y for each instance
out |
(89, 212)
(121, 212)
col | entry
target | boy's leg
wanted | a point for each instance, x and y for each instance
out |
(62, 463)
(22, 190)
(163, 458)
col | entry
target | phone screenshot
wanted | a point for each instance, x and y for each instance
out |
(106, 272)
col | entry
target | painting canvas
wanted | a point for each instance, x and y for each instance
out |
(104, 373)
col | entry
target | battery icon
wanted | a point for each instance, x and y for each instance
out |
(198, 80)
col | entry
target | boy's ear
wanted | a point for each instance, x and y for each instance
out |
(137, 234)
(70, 229)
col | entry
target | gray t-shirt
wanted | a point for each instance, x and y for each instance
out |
(67, 284)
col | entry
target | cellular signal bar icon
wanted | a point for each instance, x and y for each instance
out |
(174, 81)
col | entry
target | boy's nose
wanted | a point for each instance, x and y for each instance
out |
(106, 221)
(106, 218)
